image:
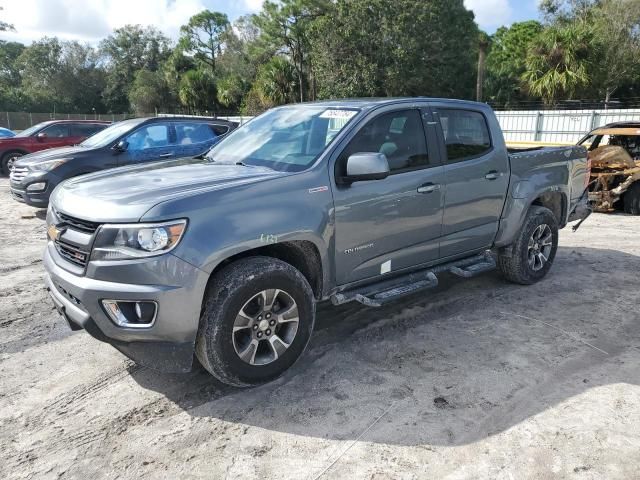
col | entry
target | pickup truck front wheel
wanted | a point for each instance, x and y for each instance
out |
(256, 322)
(531, 256)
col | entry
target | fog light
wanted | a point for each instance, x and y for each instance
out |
(37, 187)
(131, 314)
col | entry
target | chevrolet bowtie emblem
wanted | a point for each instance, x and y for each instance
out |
(54, 232)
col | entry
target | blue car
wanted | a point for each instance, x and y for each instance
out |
(6, 133)
(129, 142)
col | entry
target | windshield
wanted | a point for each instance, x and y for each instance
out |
(110, 134)
(287, 139)
(31, 130)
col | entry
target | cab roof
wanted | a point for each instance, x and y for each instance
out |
(365, 103)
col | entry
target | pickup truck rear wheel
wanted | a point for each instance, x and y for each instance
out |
(632, 199)
(257, 319)
(534, 250)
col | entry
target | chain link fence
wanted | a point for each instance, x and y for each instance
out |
(22, 120)
(18, 121)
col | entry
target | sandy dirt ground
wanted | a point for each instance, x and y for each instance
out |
(477, 379)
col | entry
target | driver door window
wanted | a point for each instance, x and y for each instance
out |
(152, 136)
(149, 143)
(399, 135)
(56, 131)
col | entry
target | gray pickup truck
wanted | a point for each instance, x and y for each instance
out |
(225, 256)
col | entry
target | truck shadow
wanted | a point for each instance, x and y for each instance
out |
(453, 366)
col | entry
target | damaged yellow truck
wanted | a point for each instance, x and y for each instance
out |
(614, 153)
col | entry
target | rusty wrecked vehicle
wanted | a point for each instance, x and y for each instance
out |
(614, 153)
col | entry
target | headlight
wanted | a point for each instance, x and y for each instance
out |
(139, 240)
(48, 165)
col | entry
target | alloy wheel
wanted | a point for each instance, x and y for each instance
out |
(265, 327)
(540, 247)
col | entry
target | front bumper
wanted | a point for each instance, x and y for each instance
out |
(36, 199)
(168, 345)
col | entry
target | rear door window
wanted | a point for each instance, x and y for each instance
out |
(466, 134)
(85, 129)
(220, 129)
(190, 133)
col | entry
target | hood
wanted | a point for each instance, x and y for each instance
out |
(51, 154)
(126, 194)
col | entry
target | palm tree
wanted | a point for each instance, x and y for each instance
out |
(484, 41)
(277, 81)
(557, 63)
(198, 91)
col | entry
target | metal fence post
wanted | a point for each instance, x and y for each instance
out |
(538, 132)
(8, 121)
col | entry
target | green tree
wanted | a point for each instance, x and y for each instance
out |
(615, 51)
(9, 70)
(198, 91)
(149, 92)
(285, 27)
(4, 26)
(567, 11)
(204, 35)
(381, 48)
(231, 90)
(127, 50)
(276, 82)
(61, 76)
(557, 63)
(11, 95)
(506, 62)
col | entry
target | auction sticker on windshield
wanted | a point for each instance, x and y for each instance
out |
(343, 114)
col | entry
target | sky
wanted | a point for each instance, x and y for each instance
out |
(92, 20)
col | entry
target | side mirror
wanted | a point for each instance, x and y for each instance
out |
(121, 146)
(41, 136)
(367, 166)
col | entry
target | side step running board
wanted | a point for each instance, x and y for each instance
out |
(474, 269)
(379, 299)
(387, 291)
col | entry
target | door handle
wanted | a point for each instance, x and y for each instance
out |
(493, 175)
(166, 155)
(428, 188)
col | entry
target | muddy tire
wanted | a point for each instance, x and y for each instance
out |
(7, 160)
(256, 321)
(534, 250)
(632, 200)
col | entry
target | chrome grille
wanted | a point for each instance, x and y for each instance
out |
(78, 224)
(18, 174)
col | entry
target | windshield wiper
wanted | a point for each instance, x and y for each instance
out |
(239, 163)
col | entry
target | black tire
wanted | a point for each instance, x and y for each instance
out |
(632, 199)
(4, 161)
(516, 266)
(228, 294)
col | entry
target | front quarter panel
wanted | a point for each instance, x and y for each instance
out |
(230, 221)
